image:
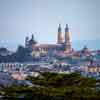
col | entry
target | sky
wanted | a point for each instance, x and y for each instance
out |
(20, 18)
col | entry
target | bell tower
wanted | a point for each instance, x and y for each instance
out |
(60, 35)
(67, 39)
(26, 41)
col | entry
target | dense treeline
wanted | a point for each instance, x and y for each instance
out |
(52, 86)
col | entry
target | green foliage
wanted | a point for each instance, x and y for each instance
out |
(57, 87)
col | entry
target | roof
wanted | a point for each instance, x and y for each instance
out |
(46, 45)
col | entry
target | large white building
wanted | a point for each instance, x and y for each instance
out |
(63, 43)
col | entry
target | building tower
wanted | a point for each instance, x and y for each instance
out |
(67, 39)
(26, 41)
(60, 35)
(32, 41)
(32, 38)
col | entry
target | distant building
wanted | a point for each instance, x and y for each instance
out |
(30, 42)
(4, 52)
(60, 35)
(6, 79)
(98, 52)
(67, 39)
(90, 71)
(63, 43)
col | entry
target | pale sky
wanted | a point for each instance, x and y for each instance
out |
(19, 18)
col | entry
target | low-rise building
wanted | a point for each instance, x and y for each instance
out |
(6, 79)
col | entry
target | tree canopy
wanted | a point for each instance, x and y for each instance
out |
(55, 86)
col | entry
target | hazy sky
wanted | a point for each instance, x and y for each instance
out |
(19, 18)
